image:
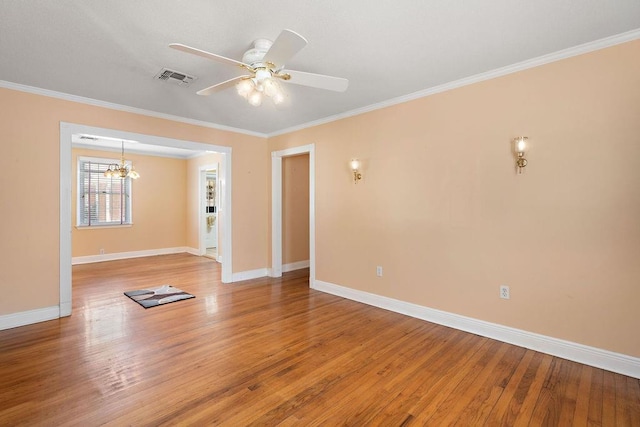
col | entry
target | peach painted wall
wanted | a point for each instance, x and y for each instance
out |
(30, 140)
(295, 209)
(442, 210)
(159, 208)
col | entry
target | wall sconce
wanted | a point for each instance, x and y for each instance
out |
(520, 146)
(355, 165)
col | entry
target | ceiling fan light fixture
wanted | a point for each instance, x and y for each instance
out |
(262, 74)
(255, 98)
(263, 84)
(245, 87)
(278, 98)
(271, 88)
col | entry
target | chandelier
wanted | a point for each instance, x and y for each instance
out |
(121, 170)
(264, 83)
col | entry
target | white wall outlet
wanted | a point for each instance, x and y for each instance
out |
(101, 251)
(379, 271)
(504, 292)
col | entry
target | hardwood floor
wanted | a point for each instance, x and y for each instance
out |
(274, 352)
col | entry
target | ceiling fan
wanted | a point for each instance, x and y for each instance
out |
(264, 63)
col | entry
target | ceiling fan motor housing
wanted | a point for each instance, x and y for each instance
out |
(254, 55)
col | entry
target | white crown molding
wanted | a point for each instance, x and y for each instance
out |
(29, 317)
(604, 359)
(119, 107)
(89, 259)
(509, 69)
(498, 72)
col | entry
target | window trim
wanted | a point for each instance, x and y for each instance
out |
(79, 225)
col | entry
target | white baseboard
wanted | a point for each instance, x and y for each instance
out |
(192, 251)
(251, 274)
(65, 309)
(295, 266)
(125, 255)
(23, 318)
(263, 272)
(604, 359)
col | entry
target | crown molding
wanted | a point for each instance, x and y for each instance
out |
(498, 72)
(119, 107)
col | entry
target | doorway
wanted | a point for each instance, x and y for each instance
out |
(66, 182)
(208, 208)
(276, 209)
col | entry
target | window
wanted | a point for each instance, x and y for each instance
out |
(101, 200)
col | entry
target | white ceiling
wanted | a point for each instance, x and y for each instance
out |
(111, 50)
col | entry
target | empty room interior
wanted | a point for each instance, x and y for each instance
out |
(338, 213)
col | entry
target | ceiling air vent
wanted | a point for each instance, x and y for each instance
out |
(176, 77)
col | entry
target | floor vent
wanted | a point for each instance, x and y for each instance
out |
(176, 77)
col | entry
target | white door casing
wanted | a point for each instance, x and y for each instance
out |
(66, 131)
(276, 209)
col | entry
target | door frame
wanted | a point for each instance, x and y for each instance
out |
(66, 131)
(276, 209)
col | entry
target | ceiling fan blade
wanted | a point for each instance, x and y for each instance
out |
(284, 48)
(221, 86)
(319, 81)
(208, 55)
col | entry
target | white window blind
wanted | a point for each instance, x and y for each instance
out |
(101, 200)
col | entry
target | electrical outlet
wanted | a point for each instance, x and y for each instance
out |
(379, 271)
(101, 251)
(504, 292)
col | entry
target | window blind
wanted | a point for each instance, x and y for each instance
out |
(102, 200)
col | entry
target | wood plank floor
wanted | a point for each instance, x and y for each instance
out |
(274, 352)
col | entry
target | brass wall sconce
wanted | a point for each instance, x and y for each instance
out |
(355, 165)
(520, 146)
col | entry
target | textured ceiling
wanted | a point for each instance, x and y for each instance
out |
(110, 50)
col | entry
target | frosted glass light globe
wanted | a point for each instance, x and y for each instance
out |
(244, 88)
(263, 74)
(255, 98)
(521, 145)
(270, 87)
(278, 98)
